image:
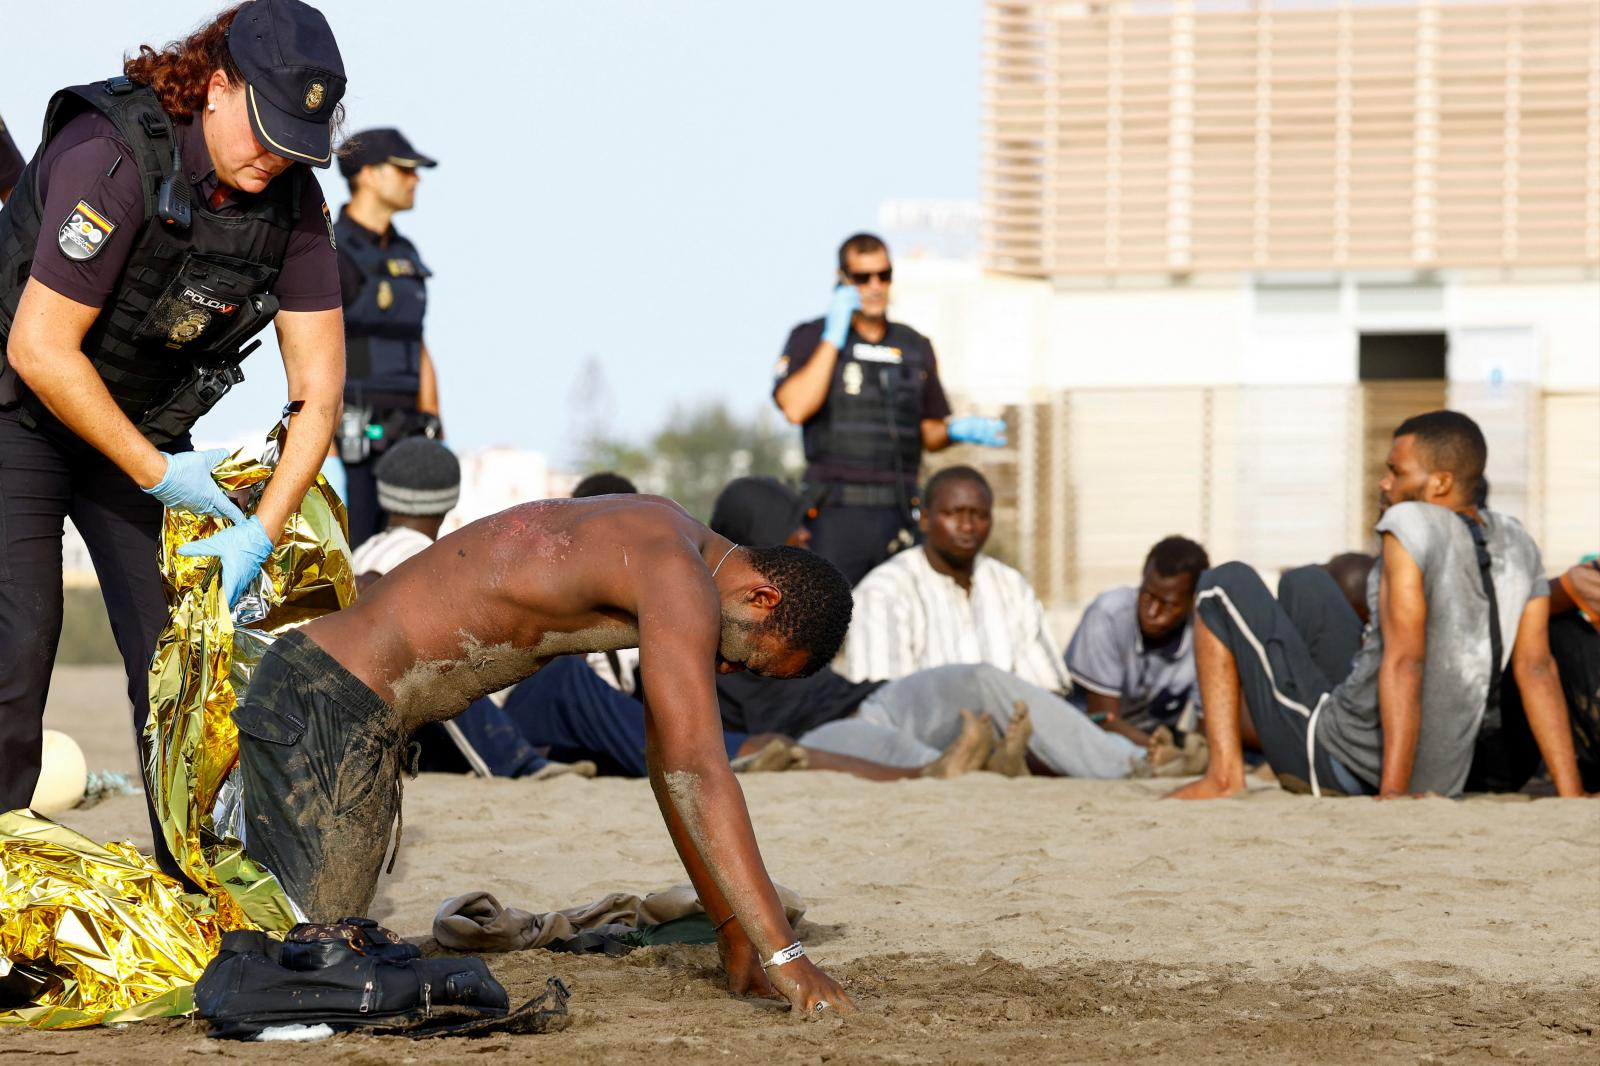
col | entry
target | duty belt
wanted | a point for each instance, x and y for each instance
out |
(855, 494)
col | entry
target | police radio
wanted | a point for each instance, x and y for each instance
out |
(172, 196)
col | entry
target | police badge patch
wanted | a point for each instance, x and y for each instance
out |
(84, 233)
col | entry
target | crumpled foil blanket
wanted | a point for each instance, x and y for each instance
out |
(95, 934)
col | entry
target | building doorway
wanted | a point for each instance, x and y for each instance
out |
(1401, 374)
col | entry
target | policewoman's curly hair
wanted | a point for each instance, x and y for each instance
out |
(181, 70)
(814, 614)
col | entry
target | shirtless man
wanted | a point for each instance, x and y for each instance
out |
(322, 729)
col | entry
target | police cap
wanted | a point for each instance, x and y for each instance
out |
(370, 147)
(294, 77)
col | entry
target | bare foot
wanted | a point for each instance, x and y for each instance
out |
(969, 751)
(1207, 788)
(1010, 756)
(776, 756)
(1168, 758)
(1165, 757)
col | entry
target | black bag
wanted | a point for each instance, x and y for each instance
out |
(362, 976)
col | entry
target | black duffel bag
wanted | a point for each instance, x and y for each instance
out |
(358, 975)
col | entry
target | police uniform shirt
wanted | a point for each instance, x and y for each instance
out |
(11, 161)
(88, 177)
(900, 342)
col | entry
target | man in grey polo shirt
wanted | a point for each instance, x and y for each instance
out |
(1132, 656)
(1458, 593)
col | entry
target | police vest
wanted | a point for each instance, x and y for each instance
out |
(383, 325)
(873, 415)
(188, 299)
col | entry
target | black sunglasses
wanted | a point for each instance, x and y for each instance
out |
(861, 277)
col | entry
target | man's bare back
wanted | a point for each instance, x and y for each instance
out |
(492, 602)
(329, 707)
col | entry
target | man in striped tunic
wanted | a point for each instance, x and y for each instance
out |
(945, 603)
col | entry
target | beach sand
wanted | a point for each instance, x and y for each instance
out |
(996, 920)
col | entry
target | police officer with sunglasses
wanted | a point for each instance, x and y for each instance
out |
(866, 393)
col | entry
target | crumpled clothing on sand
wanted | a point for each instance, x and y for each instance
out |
(478, 922)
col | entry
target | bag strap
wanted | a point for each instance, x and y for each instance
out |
(1480, 545)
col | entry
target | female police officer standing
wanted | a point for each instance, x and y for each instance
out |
(167, 216)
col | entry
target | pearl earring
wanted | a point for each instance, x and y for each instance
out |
(211, 107)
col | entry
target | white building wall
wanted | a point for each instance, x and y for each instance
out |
(1230, 409)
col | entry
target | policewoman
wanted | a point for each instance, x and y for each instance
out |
(867, 395)
(168, 216)
(390, 389)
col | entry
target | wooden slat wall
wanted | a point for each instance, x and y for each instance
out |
(1127, 137)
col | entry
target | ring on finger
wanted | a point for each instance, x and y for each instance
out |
(821, 1006)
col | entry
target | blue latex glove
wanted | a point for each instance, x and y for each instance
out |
(242, 549)
(836, 327)
(188, 485)
(971, 429)
(338, 480)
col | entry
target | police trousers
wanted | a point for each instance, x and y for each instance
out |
(45, 478)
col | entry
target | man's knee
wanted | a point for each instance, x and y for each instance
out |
(1230, 577)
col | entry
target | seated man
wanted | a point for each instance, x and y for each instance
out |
(1507, 754)
(1132, 656)
(1451, 579)
(323, 726)
(944, 601)
(913, 718)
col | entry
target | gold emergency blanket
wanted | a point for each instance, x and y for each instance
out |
(94, 934)
(97, 930)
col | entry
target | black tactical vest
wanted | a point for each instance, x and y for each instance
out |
(168, 341)
(383, 325)
(872, 419)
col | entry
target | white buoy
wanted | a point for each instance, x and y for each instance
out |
(62, 775)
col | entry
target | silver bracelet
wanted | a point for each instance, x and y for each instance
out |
(788, 954)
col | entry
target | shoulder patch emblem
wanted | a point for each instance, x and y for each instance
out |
(84, 233)
(327, 216)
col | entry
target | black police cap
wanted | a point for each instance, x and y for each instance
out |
(385, 145)
(294, 77)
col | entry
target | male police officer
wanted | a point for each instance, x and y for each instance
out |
(867, 392)
(390, 391)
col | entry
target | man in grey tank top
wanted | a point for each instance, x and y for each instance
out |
(1403, 717)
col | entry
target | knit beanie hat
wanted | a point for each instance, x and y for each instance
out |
(418, 476)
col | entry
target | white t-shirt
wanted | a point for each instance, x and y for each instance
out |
(384, 551)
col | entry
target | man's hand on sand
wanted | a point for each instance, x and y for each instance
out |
(742, 965)
(805, 986)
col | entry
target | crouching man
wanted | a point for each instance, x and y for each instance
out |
(322, 728)
(1457, 592)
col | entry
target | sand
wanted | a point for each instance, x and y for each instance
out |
(998, 920)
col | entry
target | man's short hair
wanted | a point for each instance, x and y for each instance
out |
(1450, 441)
(604, 483)
(860, 244)
(1177, 555)
(815, 611)
(950, 474)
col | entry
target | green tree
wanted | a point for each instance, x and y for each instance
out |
(696, 452)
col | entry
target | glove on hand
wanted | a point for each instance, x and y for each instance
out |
(971, 429)
(188, 486)
(846, 302)
(242, 549)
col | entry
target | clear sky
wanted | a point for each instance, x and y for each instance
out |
(660, 185)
